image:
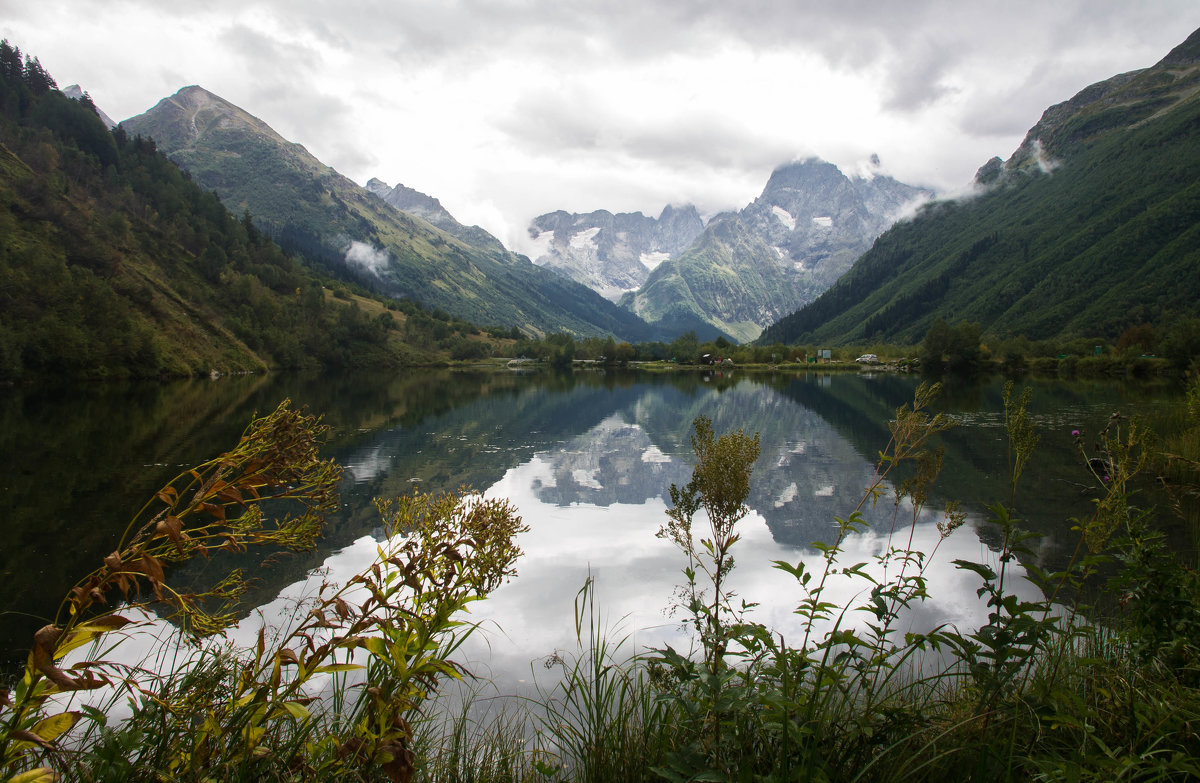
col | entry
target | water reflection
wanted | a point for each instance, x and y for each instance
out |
(637, 574)
(587, 458)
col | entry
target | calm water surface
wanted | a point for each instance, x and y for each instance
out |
(587, 459)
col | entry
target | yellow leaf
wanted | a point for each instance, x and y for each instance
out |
(55, 726)
(39, 775)
(339, 667)
(376, 645)
(297, 710)
(87, 632)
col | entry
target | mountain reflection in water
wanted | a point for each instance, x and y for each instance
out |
(586, 458)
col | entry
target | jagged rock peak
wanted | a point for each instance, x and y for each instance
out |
(672, 212)
(414, 202)
(611, 253)
(75, 92)
(800, 174)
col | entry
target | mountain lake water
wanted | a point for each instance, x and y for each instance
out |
(587, 458)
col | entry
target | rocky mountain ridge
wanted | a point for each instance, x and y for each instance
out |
(75, 92)
(750, 268)
(612, 254)
(428, 208)
(312, 209)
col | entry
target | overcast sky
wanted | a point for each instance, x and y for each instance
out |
(505, 109)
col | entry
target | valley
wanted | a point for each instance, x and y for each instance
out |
(270, 436)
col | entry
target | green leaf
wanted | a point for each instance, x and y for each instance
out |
(710, 776)
(85, 633)
(376, 646)
(985, 571)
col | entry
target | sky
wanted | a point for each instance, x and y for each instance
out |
(508, 109)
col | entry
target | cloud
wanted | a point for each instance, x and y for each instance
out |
(918, 82)
(363, 255)
(505, 109)
(268, 57)
(582, 122)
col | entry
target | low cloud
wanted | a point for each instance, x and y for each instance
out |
(366, 257)
(911, 209)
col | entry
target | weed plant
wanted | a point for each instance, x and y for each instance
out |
(1177, 462)
(329, 698)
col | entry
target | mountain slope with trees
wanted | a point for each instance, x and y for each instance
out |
(1090, 228)
(114, 263)
(309, 206)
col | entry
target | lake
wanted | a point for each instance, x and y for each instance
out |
(586, 457)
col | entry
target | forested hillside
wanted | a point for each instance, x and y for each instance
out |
(114, 263)
(1091, 227)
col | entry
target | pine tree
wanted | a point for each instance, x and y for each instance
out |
(36, 79)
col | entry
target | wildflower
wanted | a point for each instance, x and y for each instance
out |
(1075, 433)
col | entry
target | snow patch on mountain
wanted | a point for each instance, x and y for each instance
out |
(585, 238)
(784, 217)
(790, 493)
(653, 259)
(611, 253)
(654, 454)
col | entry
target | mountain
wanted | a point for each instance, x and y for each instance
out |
(115, 264)
(416, 203)
(313, 209)
(75, 92)
(1091, 226)
(612, 254)
(750, 268)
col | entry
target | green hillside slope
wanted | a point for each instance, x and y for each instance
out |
(311, 207)
(1092, 226)
(720, 286)
(114, 263)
